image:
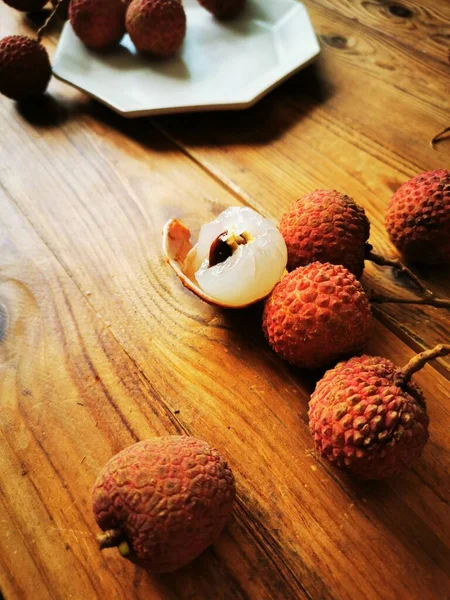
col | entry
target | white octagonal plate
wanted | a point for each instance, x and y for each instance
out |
(222, 65)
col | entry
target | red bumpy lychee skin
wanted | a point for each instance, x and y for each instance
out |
(170, 496)
(326, 226)
(157, 27)
(418, 218)
(223, 9)
(363, 422)
(27, 6)
(25, 69)
(317, 315)
(100, 24)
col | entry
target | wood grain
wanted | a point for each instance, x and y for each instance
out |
(100, 345)
(315, 131)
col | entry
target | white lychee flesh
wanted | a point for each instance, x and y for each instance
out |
(250, 260)
(253, 269)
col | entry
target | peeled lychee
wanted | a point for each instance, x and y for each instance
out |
(418, 218)
(326, 226)
(238, 259)
(367, 418)
(223, 9)
(100, 24)
(156, 26)
(26, 5)
(317, 315)
(163, 501)
(25, 69)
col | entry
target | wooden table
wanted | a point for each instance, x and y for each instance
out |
(101, 345)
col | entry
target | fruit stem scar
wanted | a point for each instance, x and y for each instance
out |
(111, 538)
(418, 362)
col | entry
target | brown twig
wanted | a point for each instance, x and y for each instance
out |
(403, 375)
(438, 136)
(401, 268)
(41, 30)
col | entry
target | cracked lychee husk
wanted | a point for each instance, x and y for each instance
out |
(238, 259)
(317, 315)
(326, 226)
(418, 218)
(163, 501)
(366, 421)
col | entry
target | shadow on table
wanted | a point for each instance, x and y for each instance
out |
(49, 111)
(265, 122)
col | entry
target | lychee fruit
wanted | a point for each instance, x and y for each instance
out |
(327, 226)
(162, 501)
(238, 259)
(27, 6)
(100, 24)
(418, 218)
(317, 315)
(156, 26)
(25, 69)
(223, 9)
(368, 417)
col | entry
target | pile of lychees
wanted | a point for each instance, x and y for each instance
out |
(156, 27)
(365, 414)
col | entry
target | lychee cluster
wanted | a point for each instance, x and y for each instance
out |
(156, 27)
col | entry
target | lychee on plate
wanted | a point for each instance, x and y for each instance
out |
(317, 315)
(163, 501)
(100, 24)
(157, 27)
(223, 9)
(418, 218)
(237, 260)
(368, 417)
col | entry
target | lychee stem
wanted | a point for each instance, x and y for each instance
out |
(429, 297)
(382, 261)
(438, 136)
(403, 375)
(41, 30)
(110, 538)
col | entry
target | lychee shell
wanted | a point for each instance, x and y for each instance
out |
(27, 6)
(418, 218)
(25, 69)
(361, 421)
(317, 315)
(223, 9)
(170, 495)
(326, 226)
(100, 24)
(156, 26)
